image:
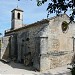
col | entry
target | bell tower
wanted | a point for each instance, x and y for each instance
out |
(17, 18)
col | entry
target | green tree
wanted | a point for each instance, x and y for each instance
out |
(58, 6)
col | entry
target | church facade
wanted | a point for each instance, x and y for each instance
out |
(45, 44)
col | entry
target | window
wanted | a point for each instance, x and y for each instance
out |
(18, 15)
(64, 26)
(12, 15)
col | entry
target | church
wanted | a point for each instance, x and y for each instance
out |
(45, 44)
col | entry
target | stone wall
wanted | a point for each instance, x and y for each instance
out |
(45, 45)
(58, 49)
(15, 22)
(5, 42)
(60, 45)
(27, 43)
(0, 46)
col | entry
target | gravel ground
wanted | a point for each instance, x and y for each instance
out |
(19, 69)
(16, 68)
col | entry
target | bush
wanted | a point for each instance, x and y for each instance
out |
(73, 70)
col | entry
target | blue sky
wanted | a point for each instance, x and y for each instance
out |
(32, 12)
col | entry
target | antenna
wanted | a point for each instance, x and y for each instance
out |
(17, 3)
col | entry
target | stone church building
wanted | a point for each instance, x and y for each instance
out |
(45, 44)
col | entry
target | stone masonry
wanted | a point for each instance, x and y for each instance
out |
(42, 44)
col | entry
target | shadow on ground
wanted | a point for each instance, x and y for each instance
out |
(19, 65)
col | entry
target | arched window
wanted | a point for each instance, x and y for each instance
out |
(12, 16)
(18, 15)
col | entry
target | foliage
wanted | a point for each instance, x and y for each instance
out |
(72, 69)
(59, 6)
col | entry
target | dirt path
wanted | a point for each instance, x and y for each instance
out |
(15, 68)
(19, 69)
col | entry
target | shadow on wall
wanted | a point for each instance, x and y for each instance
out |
(5, 48)
(0, 48)
(6, 53)
(73, 59)
(73, 65)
